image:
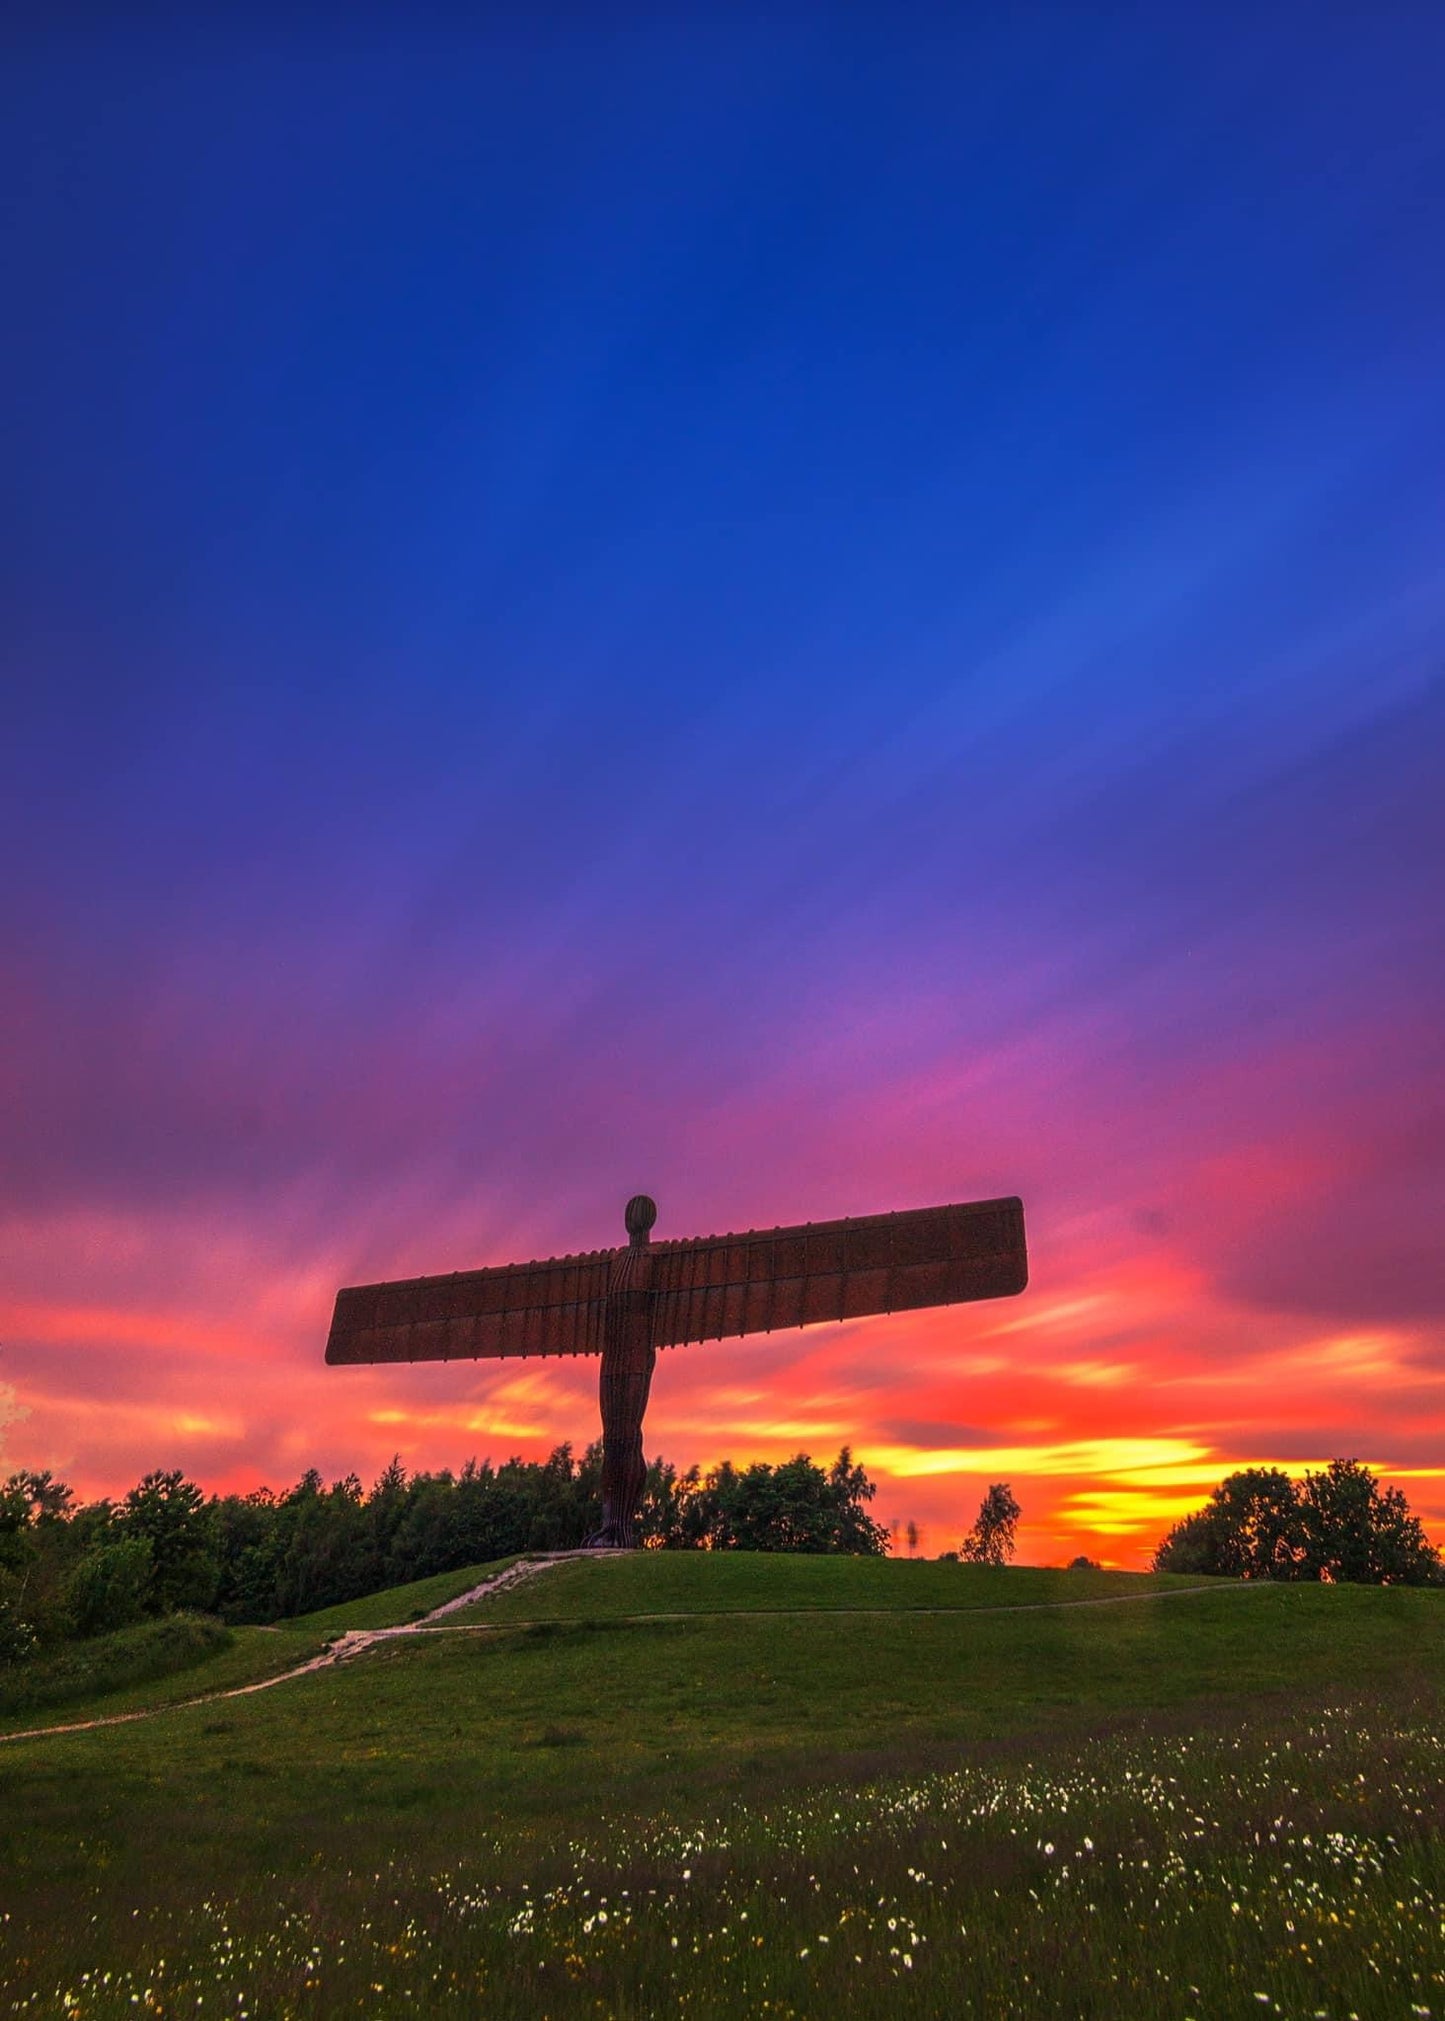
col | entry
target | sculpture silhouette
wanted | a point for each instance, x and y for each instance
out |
(624, 1304)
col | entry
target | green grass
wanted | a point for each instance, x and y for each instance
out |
(163, 1663)
(103, 1665)
(397, 1604)
(440, 1819)
(660, 1582)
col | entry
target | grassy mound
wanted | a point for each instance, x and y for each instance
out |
(82, 1671)
(105, 1677)
(1008, 1805)
(397, 1604)
(636, 1583)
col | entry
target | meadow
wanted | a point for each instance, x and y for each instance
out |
(715, 1784)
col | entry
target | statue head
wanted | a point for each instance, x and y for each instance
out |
(640, 1215)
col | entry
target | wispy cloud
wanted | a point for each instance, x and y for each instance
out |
(10, 1410)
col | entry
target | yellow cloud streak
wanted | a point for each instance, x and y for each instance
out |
(1170, 1462)
(1035, 1317)
(1120, 1511)
(192, 1426)
(1101, 1374)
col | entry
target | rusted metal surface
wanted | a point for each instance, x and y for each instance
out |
(623, 1304)
(716, 1287)
(554, 1307)
(722, 1287)
(628, 1358)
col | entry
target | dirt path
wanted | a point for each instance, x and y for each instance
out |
(808, 1613)
(355, 1642)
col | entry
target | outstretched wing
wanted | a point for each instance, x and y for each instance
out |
(722, 1286)
(554, 1307)
(715, 1288)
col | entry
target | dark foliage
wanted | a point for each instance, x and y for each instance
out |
(110, 1585)
(315, 1546)
(135, 1655)
(68, 1572)
(1337, 1525)
(1251, 1528)
(795, 1506)
(991, 1540)
(172, 1516)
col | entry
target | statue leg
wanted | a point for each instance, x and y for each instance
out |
(624, 1389)
(623, 1472)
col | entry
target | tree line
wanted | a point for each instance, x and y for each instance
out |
(70, 1569)
(1338, 1525)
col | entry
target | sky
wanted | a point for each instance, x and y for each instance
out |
(809, 615)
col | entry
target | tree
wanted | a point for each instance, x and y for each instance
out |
(19, 1553)
(910, 1534)
(849, 1488)
(670, 1514)
(173, 1515)
(48, 1500)
(1354, 1532)
(1336, 1525)
(1252, 1527)
(991, 1540)
(67, 1569)
(18, 1548)
(110, 1586)
(795, 1506)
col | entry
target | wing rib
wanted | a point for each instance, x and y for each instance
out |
(519, 1308)
(720, 1287)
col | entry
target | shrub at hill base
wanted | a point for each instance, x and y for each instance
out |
(1338, 1525)
(112, 1662)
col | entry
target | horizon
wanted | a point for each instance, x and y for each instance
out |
(898, 1545)
(811, 618)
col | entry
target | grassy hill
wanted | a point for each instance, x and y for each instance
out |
(1071, 1792)
(177, 1658)
(641, 1582)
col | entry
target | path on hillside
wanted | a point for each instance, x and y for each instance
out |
(807, 1613)
(355, 1642)
(352, 1642)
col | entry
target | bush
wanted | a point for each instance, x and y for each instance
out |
(110, 1586)
(108, 1663)
(17, 1637)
